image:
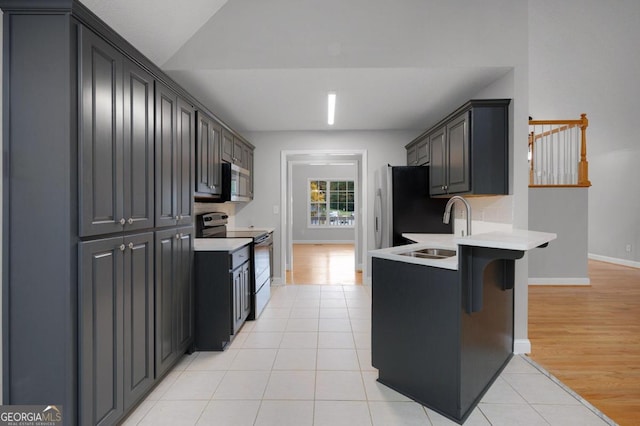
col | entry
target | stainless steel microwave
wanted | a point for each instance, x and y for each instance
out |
(235, 183)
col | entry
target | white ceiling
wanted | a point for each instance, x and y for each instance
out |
(268, 65)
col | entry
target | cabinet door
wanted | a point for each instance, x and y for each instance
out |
(138, 148)
(438, 165)
(184, 288)
(138, 317)
(422, 152)
(236, 321)
(165, 158)
(185, 155)
(173, 295)
(100, 162)
(100, 331)
(227, 146)
(208, 167)
(246, 290)
(459, 167)
(165, 333)
(238, 153)
(412, 156)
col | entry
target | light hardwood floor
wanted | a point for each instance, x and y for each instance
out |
(589, 338)
(324, 264)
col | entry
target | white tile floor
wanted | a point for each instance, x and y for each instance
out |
(307, 361)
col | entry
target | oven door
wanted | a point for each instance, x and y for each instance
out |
(263, 251)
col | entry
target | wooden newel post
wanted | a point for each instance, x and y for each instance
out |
(583, 166)
(531, 144)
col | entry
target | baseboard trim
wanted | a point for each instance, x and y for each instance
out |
(521, 346)
(275, 281)
(623, 262)
(559, 281)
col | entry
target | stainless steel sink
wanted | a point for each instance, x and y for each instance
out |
(430, 253)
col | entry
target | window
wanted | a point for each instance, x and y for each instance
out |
(331, 203)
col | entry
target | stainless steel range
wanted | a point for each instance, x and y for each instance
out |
(214, 225)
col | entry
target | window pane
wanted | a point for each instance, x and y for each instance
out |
(322, 185)
(350, 185)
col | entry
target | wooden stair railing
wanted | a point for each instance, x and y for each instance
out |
(553, 153)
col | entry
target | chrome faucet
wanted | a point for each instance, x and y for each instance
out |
(447, 211)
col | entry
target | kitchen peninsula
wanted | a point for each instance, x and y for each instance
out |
(442, 322)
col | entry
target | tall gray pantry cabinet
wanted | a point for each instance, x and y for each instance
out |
(98, 151)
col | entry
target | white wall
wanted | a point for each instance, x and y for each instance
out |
(300, 196)
(583, 59)
(563, 212)
(382, 147)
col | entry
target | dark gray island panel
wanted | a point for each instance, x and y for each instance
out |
(415, 325)
(442, 336)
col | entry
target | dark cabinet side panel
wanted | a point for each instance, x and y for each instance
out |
(100, 137)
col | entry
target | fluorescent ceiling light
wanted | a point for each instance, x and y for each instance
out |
(332, 108)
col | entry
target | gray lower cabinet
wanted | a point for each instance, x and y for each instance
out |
(116, 326)
(223, 296)
(116, 140)
(174, 296)
(174, 152)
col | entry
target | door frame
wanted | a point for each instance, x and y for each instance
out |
(287, 158)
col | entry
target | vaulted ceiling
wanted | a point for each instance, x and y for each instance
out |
(268, 65)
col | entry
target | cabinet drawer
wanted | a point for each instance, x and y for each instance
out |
(239, 256)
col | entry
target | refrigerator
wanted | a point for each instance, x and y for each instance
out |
(402, 205)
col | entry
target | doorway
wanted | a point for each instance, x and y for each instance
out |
(323, 251)
(324, 264)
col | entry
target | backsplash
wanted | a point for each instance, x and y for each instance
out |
(494, 213)
(228, 208)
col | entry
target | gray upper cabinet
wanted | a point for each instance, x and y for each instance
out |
(227, 146)
(469, 150)
(174, 158)
(418, 152)
(437, 170)
(138, 148)
(116, 327)
(208, 167)
(101, 138)
(116, 140)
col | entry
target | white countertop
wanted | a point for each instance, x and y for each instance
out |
(443, 241)
(517, 239)
(219, 244)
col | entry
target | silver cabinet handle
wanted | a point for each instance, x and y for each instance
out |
(177, 217)
(130, 221)
(122, 247)
(177, 236)
(122, 221)
(131, 245)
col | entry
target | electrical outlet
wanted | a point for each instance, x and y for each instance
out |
(629, 248)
